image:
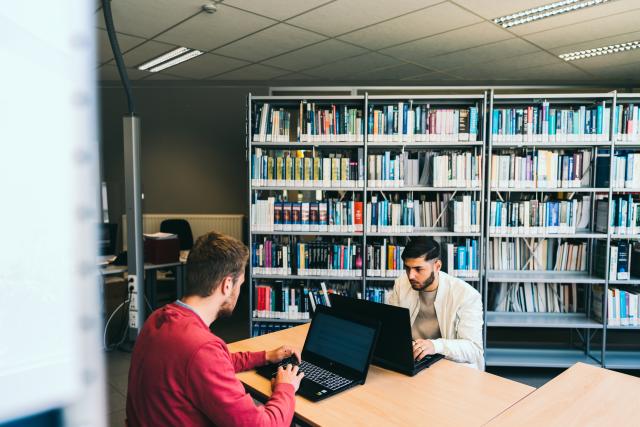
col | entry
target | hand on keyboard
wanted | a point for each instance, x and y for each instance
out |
(289, 374)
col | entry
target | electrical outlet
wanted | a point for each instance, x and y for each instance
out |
(134, 300)
(133, 319)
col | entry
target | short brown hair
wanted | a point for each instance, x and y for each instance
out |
(213, 257)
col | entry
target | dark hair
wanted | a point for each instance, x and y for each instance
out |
(213, 257)
(419, 247)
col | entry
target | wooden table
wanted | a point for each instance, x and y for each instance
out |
(446, 394)
(582, 395)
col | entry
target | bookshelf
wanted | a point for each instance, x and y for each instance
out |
(584, 337)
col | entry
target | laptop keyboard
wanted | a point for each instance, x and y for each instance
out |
(322, 376)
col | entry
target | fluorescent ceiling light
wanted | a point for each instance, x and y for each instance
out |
(162, 58)
(599, 51)
(169, 59)
(545, 11)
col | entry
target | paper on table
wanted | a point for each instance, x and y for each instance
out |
(160, 236)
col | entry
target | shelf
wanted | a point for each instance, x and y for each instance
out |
(498, 276)
(270, 320)
(551, 235)
(432, 189)
(392, 279)
(303, 188)
(622, 359)
(425, 232)
(541, 320)
(536, 357)
(627, 144)
(297, 277)
(548, 190)
(295, 144)
(625, 190)
(308, 233)
(568, 144)
(623, 328)
(632, 281)
(625, 236)
(433, 144)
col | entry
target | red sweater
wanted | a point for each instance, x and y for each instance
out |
(181, 374)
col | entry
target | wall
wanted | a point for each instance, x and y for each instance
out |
(192, 149)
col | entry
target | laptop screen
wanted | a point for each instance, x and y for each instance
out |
(340, 340)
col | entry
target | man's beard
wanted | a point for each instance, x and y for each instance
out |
(226, 310)
(426, 284)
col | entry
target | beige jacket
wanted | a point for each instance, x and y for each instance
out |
(459, 310)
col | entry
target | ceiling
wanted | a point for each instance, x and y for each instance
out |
(398, 41)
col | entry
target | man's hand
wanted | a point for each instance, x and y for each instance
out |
(275, 356)
(288, 375)
(422, 348)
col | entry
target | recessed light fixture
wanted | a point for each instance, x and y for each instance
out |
(169, 59)
(546, 11)
(599, 51)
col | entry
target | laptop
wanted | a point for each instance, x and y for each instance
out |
(394, 349)
(336, 354)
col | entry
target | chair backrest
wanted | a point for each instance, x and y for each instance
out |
(180, 227)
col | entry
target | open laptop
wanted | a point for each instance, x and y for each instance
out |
(394, 349)
(336, 354)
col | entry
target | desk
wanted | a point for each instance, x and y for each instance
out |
(150, 280)
(446, 394)
(582, 395)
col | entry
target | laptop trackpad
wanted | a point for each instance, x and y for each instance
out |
(312, 390)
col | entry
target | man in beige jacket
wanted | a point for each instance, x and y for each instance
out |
(446, 312)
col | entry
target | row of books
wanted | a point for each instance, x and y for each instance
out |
(408, 215)
(543, 123)
(541, 255)
(626, 170)
(541, 169)
(308, 123)
(306, 168)
(280, 300)
(316, 258)
(622, 258)
(534, 297)
(534, 216)
(624, 215)
(626, 123)
(431, 169)
(331, 215)
(263, 328)
(463, 260)
(406, 122)
(622, 305)
(428, 214)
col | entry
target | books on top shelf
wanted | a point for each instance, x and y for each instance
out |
(541, 169)
(544, 123)
(329, 215)
(622, 305)
(306, 168)
(408, 215)
(463, 260)
(315, 258)
(626, 170)
(626, 123)
(625, 215)
(527, 217)
(534, 297)
(307, 123)
(540, 255)
(428, 169)
(409, 122)
(384, 259)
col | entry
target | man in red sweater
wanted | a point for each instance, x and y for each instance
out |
(181, 374)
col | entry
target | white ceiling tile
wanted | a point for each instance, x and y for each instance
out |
(421, 51)
(426, 22)
(609, 62)
(562, 71)
(270, 42)
(277, 9)
(146, 18)
(206, 31)
(347, 15)
(163, 76)
(509, 66)
(356, 64)
(104, 47)
(110, 72)
(478, 55)
(395, 72)
(252, 72)
(146, 52)
(205, 65)
(606, 41)
(318, 54)
(294, 77)
(433, 76)
(582, 15)
(628, 73)
(585, 31)
(491, 9)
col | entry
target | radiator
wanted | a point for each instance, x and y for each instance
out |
(200, 224)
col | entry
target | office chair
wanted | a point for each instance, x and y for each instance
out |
(181, 228)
